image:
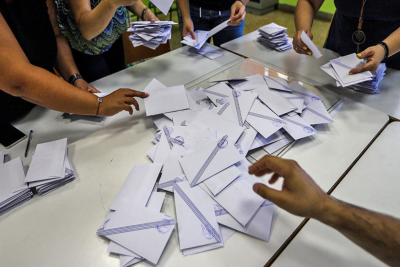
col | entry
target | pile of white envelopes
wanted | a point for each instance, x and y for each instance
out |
(366, 82)
(199, 155)
(13, 189)
(50, 168)
(150, 34)
(274, 36)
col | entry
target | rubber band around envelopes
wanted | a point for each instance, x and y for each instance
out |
(198, 214)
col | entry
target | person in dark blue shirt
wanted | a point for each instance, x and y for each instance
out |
(205, 15)
(366, 27)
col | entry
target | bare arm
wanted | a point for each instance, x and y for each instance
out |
(375, 54)
(186, 19)
(137, 9)
(65, 63)
(92, 22)
(21, 79)
(303, 18)
(378, 234)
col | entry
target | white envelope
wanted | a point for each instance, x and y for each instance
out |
(307, 41)
(300, 90)
(209, 52)
(297, 127)
(277, 84)
(226, 111)
(259, 226)
(161, 120)
(316, 113)
(171, 170)
(219, 181)
(260, 141)
(209, 160)
(275, 101)
(273, 29)
(252, 82)
(197, 223)
(246, 140)
(48, 162)
(219, 93)
(186, 118)
(208, 119)
(163, 5)
(138, 185)
(263, 120)
(163, 99)
(343, 65)
(273, 147)
(140, 230)
(238, 199)
(170, 137)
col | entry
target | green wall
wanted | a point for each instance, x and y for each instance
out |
(328, 6)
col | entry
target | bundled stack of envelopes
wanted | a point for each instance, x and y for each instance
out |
(199, 156)
(150, 34)
(50, 168)
(274, 36)
(366, 82)
(13, 189)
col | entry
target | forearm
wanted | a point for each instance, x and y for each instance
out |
(304, 14)
(93, 22)
(137, 8)
(184, 8)
(393, 42)
(376, 233)
(65, 64)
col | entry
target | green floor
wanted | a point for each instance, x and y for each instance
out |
(253, 22)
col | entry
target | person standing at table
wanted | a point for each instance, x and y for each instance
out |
(205, 15)
(93, 29)
(369, 28)
(31, 45)
(376, 233)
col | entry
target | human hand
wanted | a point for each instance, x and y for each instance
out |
(149, 16)
(238, 12)
(300, 195)
(188, 28)
(374, 56)
(298, 44)
(83, 85)
(120, 100)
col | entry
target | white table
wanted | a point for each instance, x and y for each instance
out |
(373, 183)
(177, 67)
(388, 101)
(60, 229)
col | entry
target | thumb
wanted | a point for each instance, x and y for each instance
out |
(266, 192)
(366, 53)
(192, 34)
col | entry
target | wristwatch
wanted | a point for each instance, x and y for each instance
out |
(74, 77)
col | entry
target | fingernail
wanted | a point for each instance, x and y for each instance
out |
(350, 73)
(256, 187)
(304, 47)
(359, 55)
(309, 53)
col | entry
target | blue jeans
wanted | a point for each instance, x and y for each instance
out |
(210, 19)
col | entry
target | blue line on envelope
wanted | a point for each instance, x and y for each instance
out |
(198, 214)
(170, 183)
(318, 114)
(214, 93)
(298, 124)
(132, 228)
(266, 117)
(207, 162)
(166, 132)
(223, 108)
(239, 113)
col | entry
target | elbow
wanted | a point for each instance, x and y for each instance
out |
(87, 35)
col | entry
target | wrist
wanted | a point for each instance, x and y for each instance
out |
(240, 2)
(144, 11)
(382, 46)
(74, 77)
(329, 212)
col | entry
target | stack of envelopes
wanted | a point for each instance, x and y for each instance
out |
(50, 168)
(366, 82)
(150, 34)
(13, 189)
(202, 36)
(274, 36)
(201, 146)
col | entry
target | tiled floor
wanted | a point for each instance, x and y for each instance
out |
(253, 22)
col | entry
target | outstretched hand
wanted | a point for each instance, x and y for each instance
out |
(300, 195)
(374, 56)
(120, 100)
(298, 44)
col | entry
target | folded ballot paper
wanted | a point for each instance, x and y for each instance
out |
(13, 189)
(202, 36)
(366, 82)
(274, 36)
(150, 34)
(199, 156)
(50, 168)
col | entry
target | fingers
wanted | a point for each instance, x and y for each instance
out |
(267, 193)
(133, 93)
(238, 14)
(299, 46)
(274, 178)
(270, 163)
(92, 90)
(366, 53)
(131, 101)
(128, 108)
(192, 34)
(370, 65)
